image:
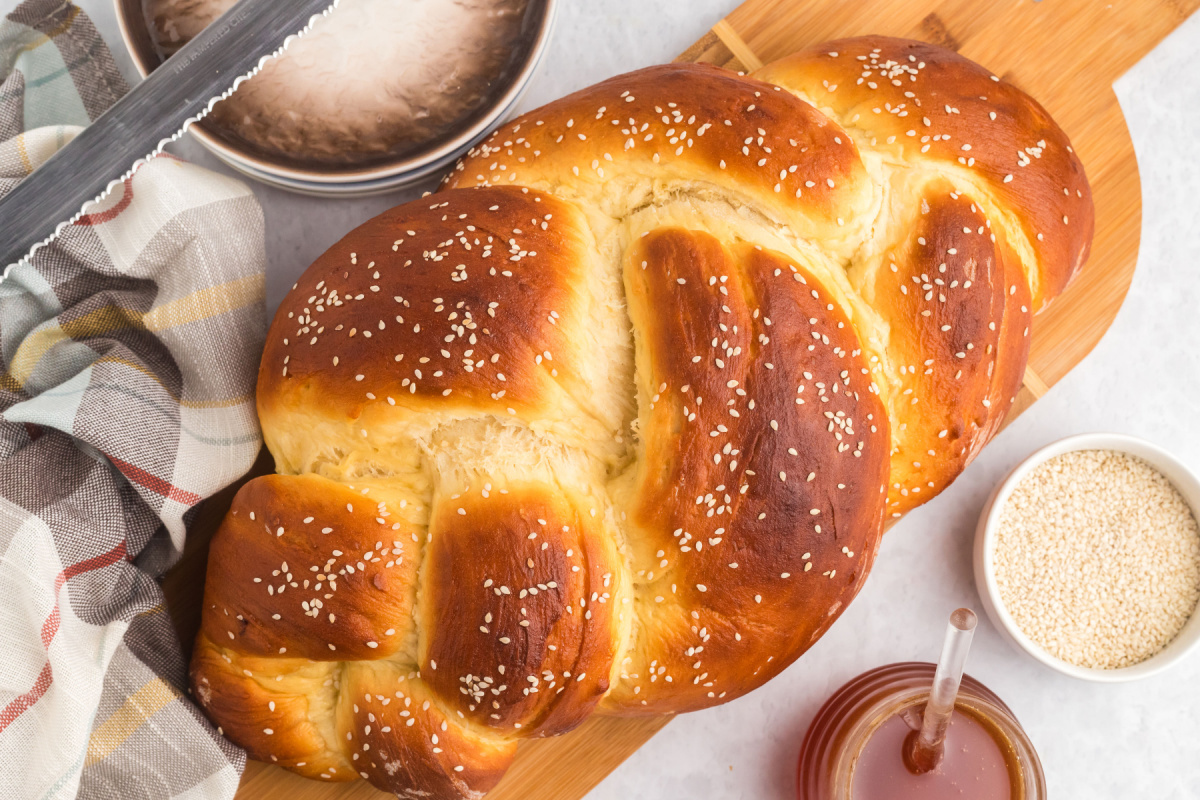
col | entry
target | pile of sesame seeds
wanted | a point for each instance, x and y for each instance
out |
(1097, 559)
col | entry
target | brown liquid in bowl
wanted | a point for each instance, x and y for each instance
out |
(374, 81)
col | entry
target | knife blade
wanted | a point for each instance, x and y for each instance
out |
(154, 113)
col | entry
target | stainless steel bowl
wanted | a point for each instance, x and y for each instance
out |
(433, 158)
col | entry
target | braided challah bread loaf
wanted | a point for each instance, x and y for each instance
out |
(613, 422)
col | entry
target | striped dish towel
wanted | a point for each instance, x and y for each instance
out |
(128, 353)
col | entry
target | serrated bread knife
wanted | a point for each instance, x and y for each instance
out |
(155, 112)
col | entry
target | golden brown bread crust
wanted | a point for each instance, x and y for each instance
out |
(754, 512)
(918, 102)
(296, 561)
(339, 722)
(438, 305)
(957, 308)
(532, 572)
(402, 740)
(617, 145)
(279, 709)
(614, 420)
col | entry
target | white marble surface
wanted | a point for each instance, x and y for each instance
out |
(1096, 741)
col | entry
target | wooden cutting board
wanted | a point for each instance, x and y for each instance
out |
(1066, 53)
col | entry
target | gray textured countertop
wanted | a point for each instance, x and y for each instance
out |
(1096, 741)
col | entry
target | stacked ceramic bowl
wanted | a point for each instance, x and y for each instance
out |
(384, 96)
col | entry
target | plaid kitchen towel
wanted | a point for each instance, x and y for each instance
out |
(128, 352)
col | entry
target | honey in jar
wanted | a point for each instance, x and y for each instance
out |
(855, 748)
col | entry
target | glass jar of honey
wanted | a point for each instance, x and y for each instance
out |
(854, 748)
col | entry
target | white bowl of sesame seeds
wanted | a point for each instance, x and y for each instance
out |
(1087, 557)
